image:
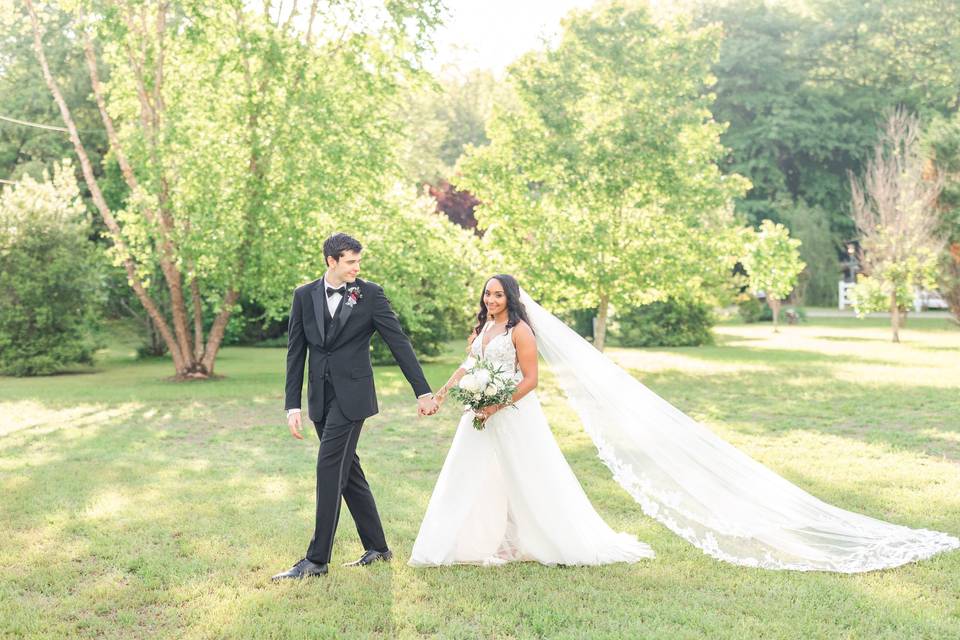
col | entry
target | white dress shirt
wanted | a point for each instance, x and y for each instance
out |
(332, 301)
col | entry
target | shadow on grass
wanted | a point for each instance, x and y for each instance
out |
(139, 506)
(769, 356)
(809, 397)
(850, 338)
(935, 348)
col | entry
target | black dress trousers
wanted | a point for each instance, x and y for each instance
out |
(339, 474)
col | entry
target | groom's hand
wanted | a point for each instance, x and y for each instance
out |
(293, 421)
(427, 406)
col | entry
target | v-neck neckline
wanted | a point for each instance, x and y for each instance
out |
(484, 345)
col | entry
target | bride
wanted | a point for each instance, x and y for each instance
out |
(506, 493)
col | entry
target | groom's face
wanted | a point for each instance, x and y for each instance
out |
(347, 268)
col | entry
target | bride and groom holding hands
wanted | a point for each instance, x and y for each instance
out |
(506, 493)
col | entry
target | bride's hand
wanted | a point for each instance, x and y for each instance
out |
(486, 412)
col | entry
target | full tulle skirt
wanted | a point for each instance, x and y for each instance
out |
(506, 493)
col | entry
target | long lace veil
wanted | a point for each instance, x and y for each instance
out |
(705, 490)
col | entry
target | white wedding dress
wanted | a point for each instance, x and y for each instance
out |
(507, 493)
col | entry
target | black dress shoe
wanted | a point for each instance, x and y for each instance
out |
(302, 569)
(370, 557)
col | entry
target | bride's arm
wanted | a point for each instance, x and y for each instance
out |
(441, 395)
(526, 345)
(449, 384)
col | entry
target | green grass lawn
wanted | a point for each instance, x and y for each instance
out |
(135, 507)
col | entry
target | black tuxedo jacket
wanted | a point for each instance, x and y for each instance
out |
(342, 353)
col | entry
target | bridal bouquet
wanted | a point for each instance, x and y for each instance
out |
(482, 386)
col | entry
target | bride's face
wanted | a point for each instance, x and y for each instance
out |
(494, 297)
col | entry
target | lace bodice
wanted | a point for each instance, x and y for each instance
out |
(499, 350)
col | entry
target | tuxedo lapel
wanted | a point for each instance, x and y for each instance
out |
(344, 313)
(319, 308)
(341, 316)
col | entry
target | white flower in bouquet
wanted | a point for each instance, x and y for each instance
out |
(482, 376)
(491, 390)
(469, 383)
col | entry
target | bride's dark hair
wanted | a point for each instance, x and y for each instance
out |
(515, 309)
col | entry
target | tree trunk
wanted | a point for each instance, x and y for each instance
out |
(950, 281)
(895, 316)
(952, 296)
(151, 111)
(157, 346)
(197, 318)
(215, 337)
(600, 335)
(774, 304)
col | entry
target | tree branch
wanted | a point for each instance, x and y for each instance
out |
(313, 15)
(218, 329)
(197, 316)
(150, 120)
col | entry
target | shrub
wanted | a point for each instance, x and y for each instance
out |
(49, 277)
(751, 309)
(671, 323)
(580, 320)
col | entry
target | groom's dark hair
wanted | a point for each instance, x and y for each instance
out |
(338, 244)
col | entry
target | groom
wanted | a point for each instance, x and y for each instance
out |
(332, 319)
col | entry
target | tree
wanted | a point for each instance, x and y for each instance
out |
(772, 262)
(457, 205)
(817, 283)
(599, 184)
(784, 133)
(431, 268)
(49, 280)
(894, 208)
(943, 140)
(889, 53)
(232, 130)
(440, 118)
(802, 84)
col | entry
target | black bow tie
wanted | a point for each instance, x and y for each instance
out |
(342, 290)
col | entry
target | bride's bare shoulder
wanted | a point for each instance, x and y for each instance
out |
(522, 331)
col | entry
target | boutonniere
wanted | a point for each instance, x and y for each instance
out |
(353, 295)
